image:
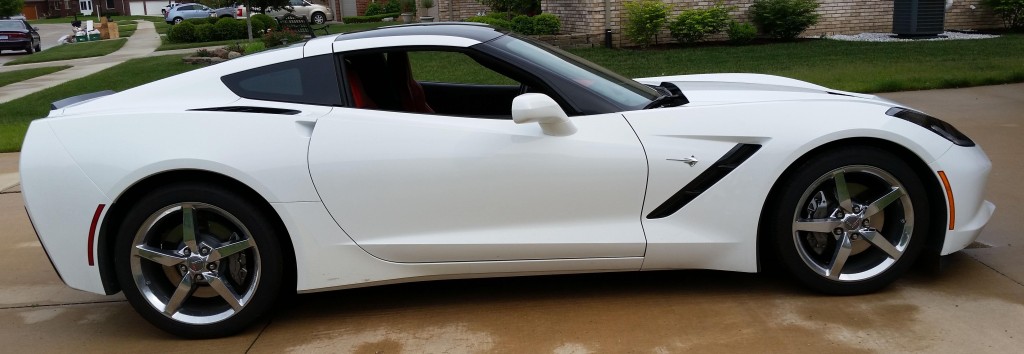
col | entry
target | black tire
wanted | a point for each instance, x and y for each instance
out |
(869, 255)
(318, 18)
(30, 49)
(39, 47)
(254, 264)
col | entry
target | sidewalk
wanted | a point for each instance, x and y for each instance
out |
(141, 44)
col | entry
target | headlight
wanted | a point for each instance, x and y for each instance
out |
(936, 125)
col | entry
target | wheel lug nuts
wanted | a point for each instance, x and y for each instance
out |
(204, 251)
(211, 266)
(838, 231)
(855, 236)
(188, 252)
(200, 277)
(856, 208)
(182, 268)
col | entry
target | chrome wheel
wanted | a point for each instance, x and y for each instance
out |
(853, 223)
(195, 263)
(849, 220)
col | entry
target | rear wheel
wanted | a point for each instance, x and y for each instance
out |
(851, 221)
(198, 261)
(30, 49)
(39, 47)
(319, 18)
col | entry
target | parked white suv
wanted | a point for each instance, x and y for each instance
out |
(316, 13)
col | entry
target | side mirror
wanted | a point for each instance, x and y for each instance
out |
(541, 109)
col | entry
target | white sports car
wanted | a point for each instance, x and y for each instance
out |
(329, 165)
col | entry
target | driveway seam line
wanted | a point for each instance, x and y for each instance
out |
(258, 335)
(995, 270)
(59, 305)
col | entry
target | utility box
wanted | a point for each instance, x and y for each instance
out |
(918, 18)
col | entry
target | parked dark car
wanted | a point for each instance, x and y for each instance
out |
(19, 35)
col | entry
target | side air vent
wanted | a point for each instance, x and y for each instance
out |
(250, 109)
(918, 18)
(705, 180)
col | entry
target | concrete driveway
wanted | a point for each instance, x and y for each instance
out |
(975, 306)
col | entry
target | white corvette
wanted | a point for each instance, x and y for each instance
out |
(328, 165)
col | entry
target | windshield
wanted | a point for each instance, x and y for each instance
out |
(623, 91)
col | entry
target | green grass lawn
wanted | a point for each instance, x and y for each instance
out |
(172, 46)
(160, 26)
(852, 66)
(127, 30)
(72, 51)
(849, 66)
(18, 113)
(11, 77)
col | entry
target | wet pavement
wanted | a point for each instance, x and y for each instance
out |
(975, 305)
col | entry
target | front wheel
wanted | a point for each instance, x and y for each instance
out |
(319, 18)
(850, 221)
(198, 261)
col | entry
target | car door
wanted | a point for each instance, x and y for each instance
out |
(438, 187)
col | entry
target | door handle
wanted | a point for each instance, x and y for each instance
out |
(687, 160)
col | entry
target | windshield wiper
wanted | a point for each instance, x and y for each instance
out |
(671, 96)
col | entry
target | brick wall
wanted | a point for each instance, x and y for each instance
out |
(837, 16)
(458, 10)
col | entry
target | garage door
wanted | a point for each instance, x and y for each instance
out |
(151, 8)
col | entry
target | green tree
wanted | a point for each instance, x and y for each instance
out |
(10, 8)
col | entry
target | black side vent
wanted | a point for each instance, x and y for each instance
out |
(705, 180)
(249, 109)
(918, 18)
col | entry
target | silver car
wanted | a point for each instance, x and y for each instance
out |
(186, 11)
(316, 13)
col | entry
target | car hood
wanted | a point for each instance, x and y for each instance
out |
(710, 89)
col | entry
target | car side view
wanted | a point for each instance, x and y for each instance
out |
(360, 159)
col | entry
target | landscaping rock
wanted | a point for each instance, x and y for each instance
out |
(232, 55)
(202, 60)
(220, 52)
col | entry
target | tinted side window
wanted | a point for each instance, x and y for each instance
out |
(311, 80)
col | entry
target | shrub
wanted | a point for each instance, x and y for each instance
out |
(230, 28)
(1011, 11)
(277, 38)
(522, 24)
(392, 6)
(784, 19)
(202, 21)
(182, 33)
(499, 15)
(741, 33)
(644, 19)
(205, 33)
(267, 21)
(253, 47)
(373, 8)
(518, 7)
(365, 19)
(491, 21)
(546, 24)
(695, 24)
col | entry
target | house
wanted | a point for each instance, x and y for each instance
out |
(36, 9)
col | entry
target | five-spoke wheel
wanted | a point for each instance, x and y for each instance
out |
(198, 261)
(847, 222)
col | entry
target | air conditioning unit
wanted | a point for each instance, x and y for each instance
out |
(918, 18)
